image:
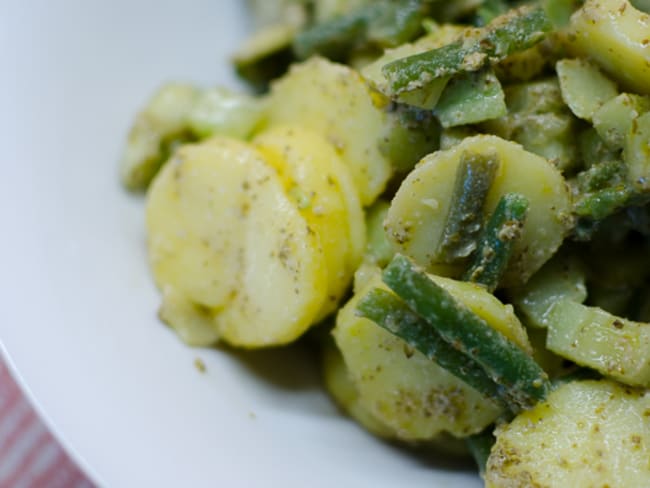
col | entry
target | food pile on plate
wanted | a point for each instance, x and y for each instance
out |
(450, 199)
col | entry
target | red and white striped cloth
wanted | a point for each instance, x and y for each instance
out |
(29, 456)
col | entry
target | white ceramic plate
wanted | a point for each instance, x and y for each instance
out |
(77, 307)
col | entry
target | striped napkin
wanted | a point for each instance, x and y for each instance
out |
(29, 456)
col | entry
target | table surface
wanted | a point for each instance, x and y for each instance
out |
(29, 456)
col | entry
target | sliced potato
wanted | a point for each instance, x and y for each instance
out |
(334, 101)
(499, 316)
(615, 35)
(189, 193)
(193, 323)
(223, 234)
(344, 392)
(418, 212)
(590, 336)
(311, 171)
(402, 388)
(584, 88)
(586, 434)
(340, 386)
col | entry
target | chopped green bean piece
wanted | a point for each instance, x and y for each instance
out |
(608, 201)
(603, 203)
(474, 177)
(495, 246)
(524, 382)
(517, 30)
(470, 98)
(391, 313)
(602, 175)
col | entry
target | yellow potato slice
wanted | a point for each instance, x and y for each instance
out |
(344, 392)
(615, 35)
(586, 434)
(334, 101)
(195, 209)
(223, 234)
(418, 212)
(311, 170)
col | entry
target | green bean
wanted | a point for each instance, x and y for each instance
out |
(524, 382)
(391, 313)
(474, 177)
(515, 31)
(495, 246)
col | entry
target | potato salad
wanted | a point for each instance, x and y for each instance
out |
(450, 200)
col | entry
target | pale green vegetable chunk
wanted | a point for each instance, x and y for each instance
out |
(613, 121)
(587, 434)
(589, 336)
(178, 114)
(265, 42)
(416, 220)
(615, 35)
(163, 119)
(562, 277)
(219, 111)
(636, 152)
(410, 135)
(334, 101)
(470, 98)
(584, 88)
